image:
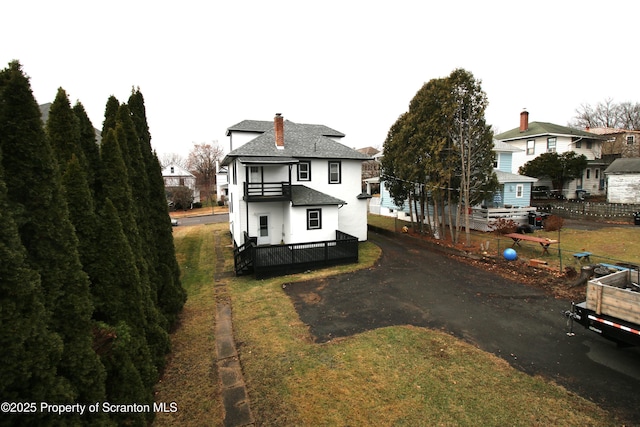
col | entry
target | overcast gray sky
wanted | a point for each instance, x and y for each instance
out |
(203, 66)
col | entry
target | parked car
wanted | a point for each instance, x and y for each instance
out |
(541, 192)
(174, 222)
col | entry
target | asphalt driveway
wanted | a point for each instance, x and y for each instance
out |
(415, 285)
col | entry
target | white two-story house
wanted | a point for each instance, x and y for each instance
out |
(535, 138)
(177, 176)
(293, 183)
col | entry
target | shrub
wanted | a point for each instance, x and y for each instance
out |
(197, 205)
(553, 223)
(504, 226)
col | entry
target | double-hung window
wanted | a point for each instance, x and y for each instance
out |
(314, 219)
(551, 144)
(304, 171)
(531, 147)
(335, 172)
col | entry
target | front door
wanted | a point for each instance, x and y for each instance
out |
(263, 230)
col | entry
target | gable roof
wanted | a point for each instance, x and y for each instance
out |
(512, 177)
(499, 146)
(300, 141)
(543, 128)
(177, 171)
(369, 151)
(624, 165)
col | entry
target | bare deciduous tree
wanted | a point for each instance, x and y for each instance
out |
(608, 114)
(172, 159)
(202, 163)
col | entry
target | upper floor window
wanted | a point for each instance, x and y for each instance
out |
(589, 145)
(531, 147)
(630, 139)
(588, 173)
(519, 190)
(304, 171)
(314, 219)
(579, 144)
(496, 160)
(335, 173)
(551, 144)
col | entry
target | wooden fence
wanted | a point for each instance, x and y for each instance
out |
(574, 209)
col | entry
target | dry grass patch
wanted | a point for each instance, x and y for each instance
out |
(190, 378)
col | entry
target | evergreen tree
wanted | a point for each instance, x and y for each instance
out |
(82, 212)
(34, 188)
(171, 296)
(560, 168)
(30, 351)
(473, 139)
(63, 130)
(110, 113)
(88, 144)
(116, 188)
(119, 302)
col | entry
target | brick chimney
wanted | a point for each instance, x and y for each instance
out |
(278, 123)
(524, 121)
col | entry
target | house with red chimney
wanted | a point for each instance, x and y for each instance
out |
(292, 186)
(535, 138)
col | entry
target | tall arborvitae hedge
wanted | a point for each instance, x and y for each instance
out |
(171, 296)
(116, 188)
(119, 300)
(30, 350)
(90, 284)
(35, 192)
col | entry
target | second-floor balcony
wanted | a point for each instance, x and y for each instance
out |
(267, 191)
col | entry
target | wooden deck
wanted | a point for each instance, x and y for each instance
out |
(284, 259)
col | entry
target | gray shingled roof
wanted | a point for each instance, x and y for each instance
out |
(250, 126)
(626, 165)
(499, 146)
(542, 128)
(512, 177)
(264, 126)
(300, 141)
(304, 196)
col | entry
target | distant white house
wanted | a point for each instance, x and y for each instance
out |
(535, 138)
(623, 181)
(176, 176)
(293, 183)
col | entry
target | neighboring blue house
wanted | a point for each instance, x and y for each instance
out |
(515, 190)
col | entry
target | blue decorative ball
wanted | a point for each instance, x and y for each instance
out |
(509, 254)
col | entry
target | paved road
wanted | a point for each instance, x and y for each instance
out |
(202, 219)
(415, 285)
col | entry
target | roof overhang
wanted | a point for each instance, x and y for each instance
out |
(268, 160)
